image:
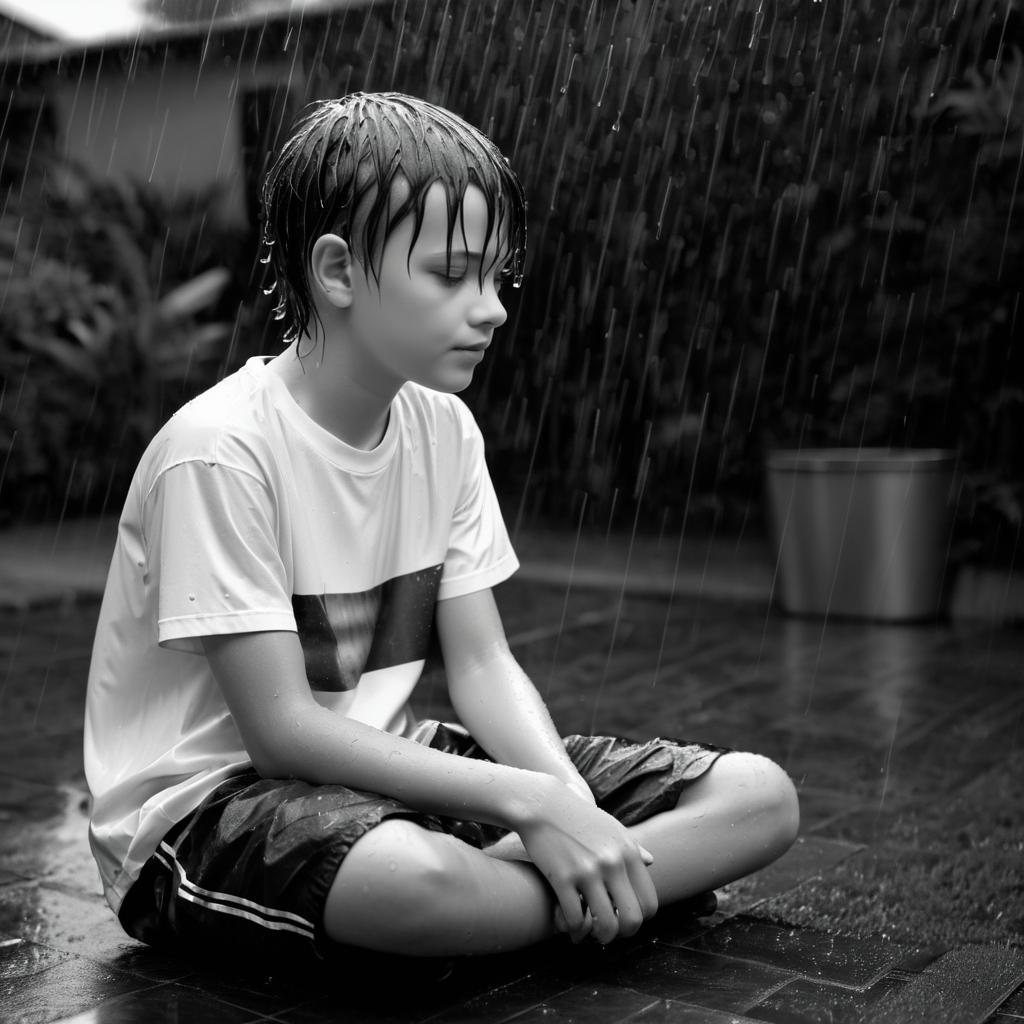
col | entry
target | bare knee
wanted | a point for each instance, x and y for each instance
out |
(763, 796)
(396, 889)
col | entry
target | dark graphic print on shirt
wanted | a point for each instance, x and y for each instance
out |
(345, 635)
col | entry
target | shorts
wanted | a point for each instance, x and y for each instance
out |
(250, 869)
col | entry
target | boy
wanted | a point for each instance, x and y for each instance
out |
(290, 540)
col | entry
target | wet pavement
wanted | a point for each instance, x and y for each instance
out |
(860, 715)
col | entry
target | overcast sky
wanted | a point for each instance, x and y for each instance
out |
(90, 20)
(75, 20)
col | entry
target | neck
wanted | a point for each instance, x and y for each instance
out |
(351, 410)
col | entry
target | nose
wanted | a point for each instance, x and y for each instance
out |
(488, 310)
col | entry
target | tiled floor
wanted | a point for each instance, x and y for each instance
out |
(854, 712)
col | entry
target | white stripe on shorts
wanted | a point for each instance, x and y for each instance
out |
(237, 906)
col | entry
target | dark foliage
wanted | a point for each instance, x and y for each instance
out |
(752, 224)
(117, 309)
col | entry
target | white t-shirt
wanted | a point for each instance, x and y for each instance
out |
(244, 515)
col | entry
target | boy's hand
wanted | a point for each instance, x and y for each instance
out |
(596, 868)
(510, 846)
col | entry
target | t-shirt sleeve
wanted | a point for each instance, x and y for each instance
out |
(479, 553)
(212, 551)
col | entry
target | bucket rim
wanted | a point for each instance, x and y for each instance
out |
(856, 459)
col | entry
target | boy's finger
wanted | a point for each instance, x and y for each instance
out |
(586, 928)
(571, 909)
(604, 921)
(628, 909)
(643, 887)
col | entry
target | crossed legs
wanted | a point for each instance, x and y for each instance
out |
(403, 889)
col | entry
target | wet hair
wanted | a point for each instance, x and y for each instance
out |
(338, 173)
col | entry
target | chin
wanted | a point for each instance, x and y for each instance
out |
(449, 384)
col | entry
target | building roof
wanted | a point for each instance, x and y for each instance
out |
(33, 31)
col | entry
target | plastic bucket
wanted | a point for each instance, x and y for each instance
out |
(861, 532)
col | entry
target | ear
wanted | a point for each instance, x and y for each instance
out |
(331, 269)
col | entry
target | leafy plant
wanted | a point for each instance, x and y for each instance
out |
(101, 335)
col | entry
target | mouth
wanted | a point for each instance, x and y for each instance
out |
(479, 349)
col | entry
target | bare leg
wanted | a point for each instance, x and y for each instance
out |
(736, 819)
(403, 889)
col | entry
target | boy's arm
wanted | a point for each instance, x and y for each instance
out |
(582, 851)
(492, 695)
(505, 714)
(288, 734)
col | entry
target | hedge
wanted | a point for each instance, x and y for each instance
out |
(753, 224)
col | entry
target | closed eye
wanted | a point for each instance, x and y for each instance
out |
(451, 280)
(454, 279)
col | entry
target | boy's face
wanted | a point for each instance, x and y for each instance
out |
(429, 321)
